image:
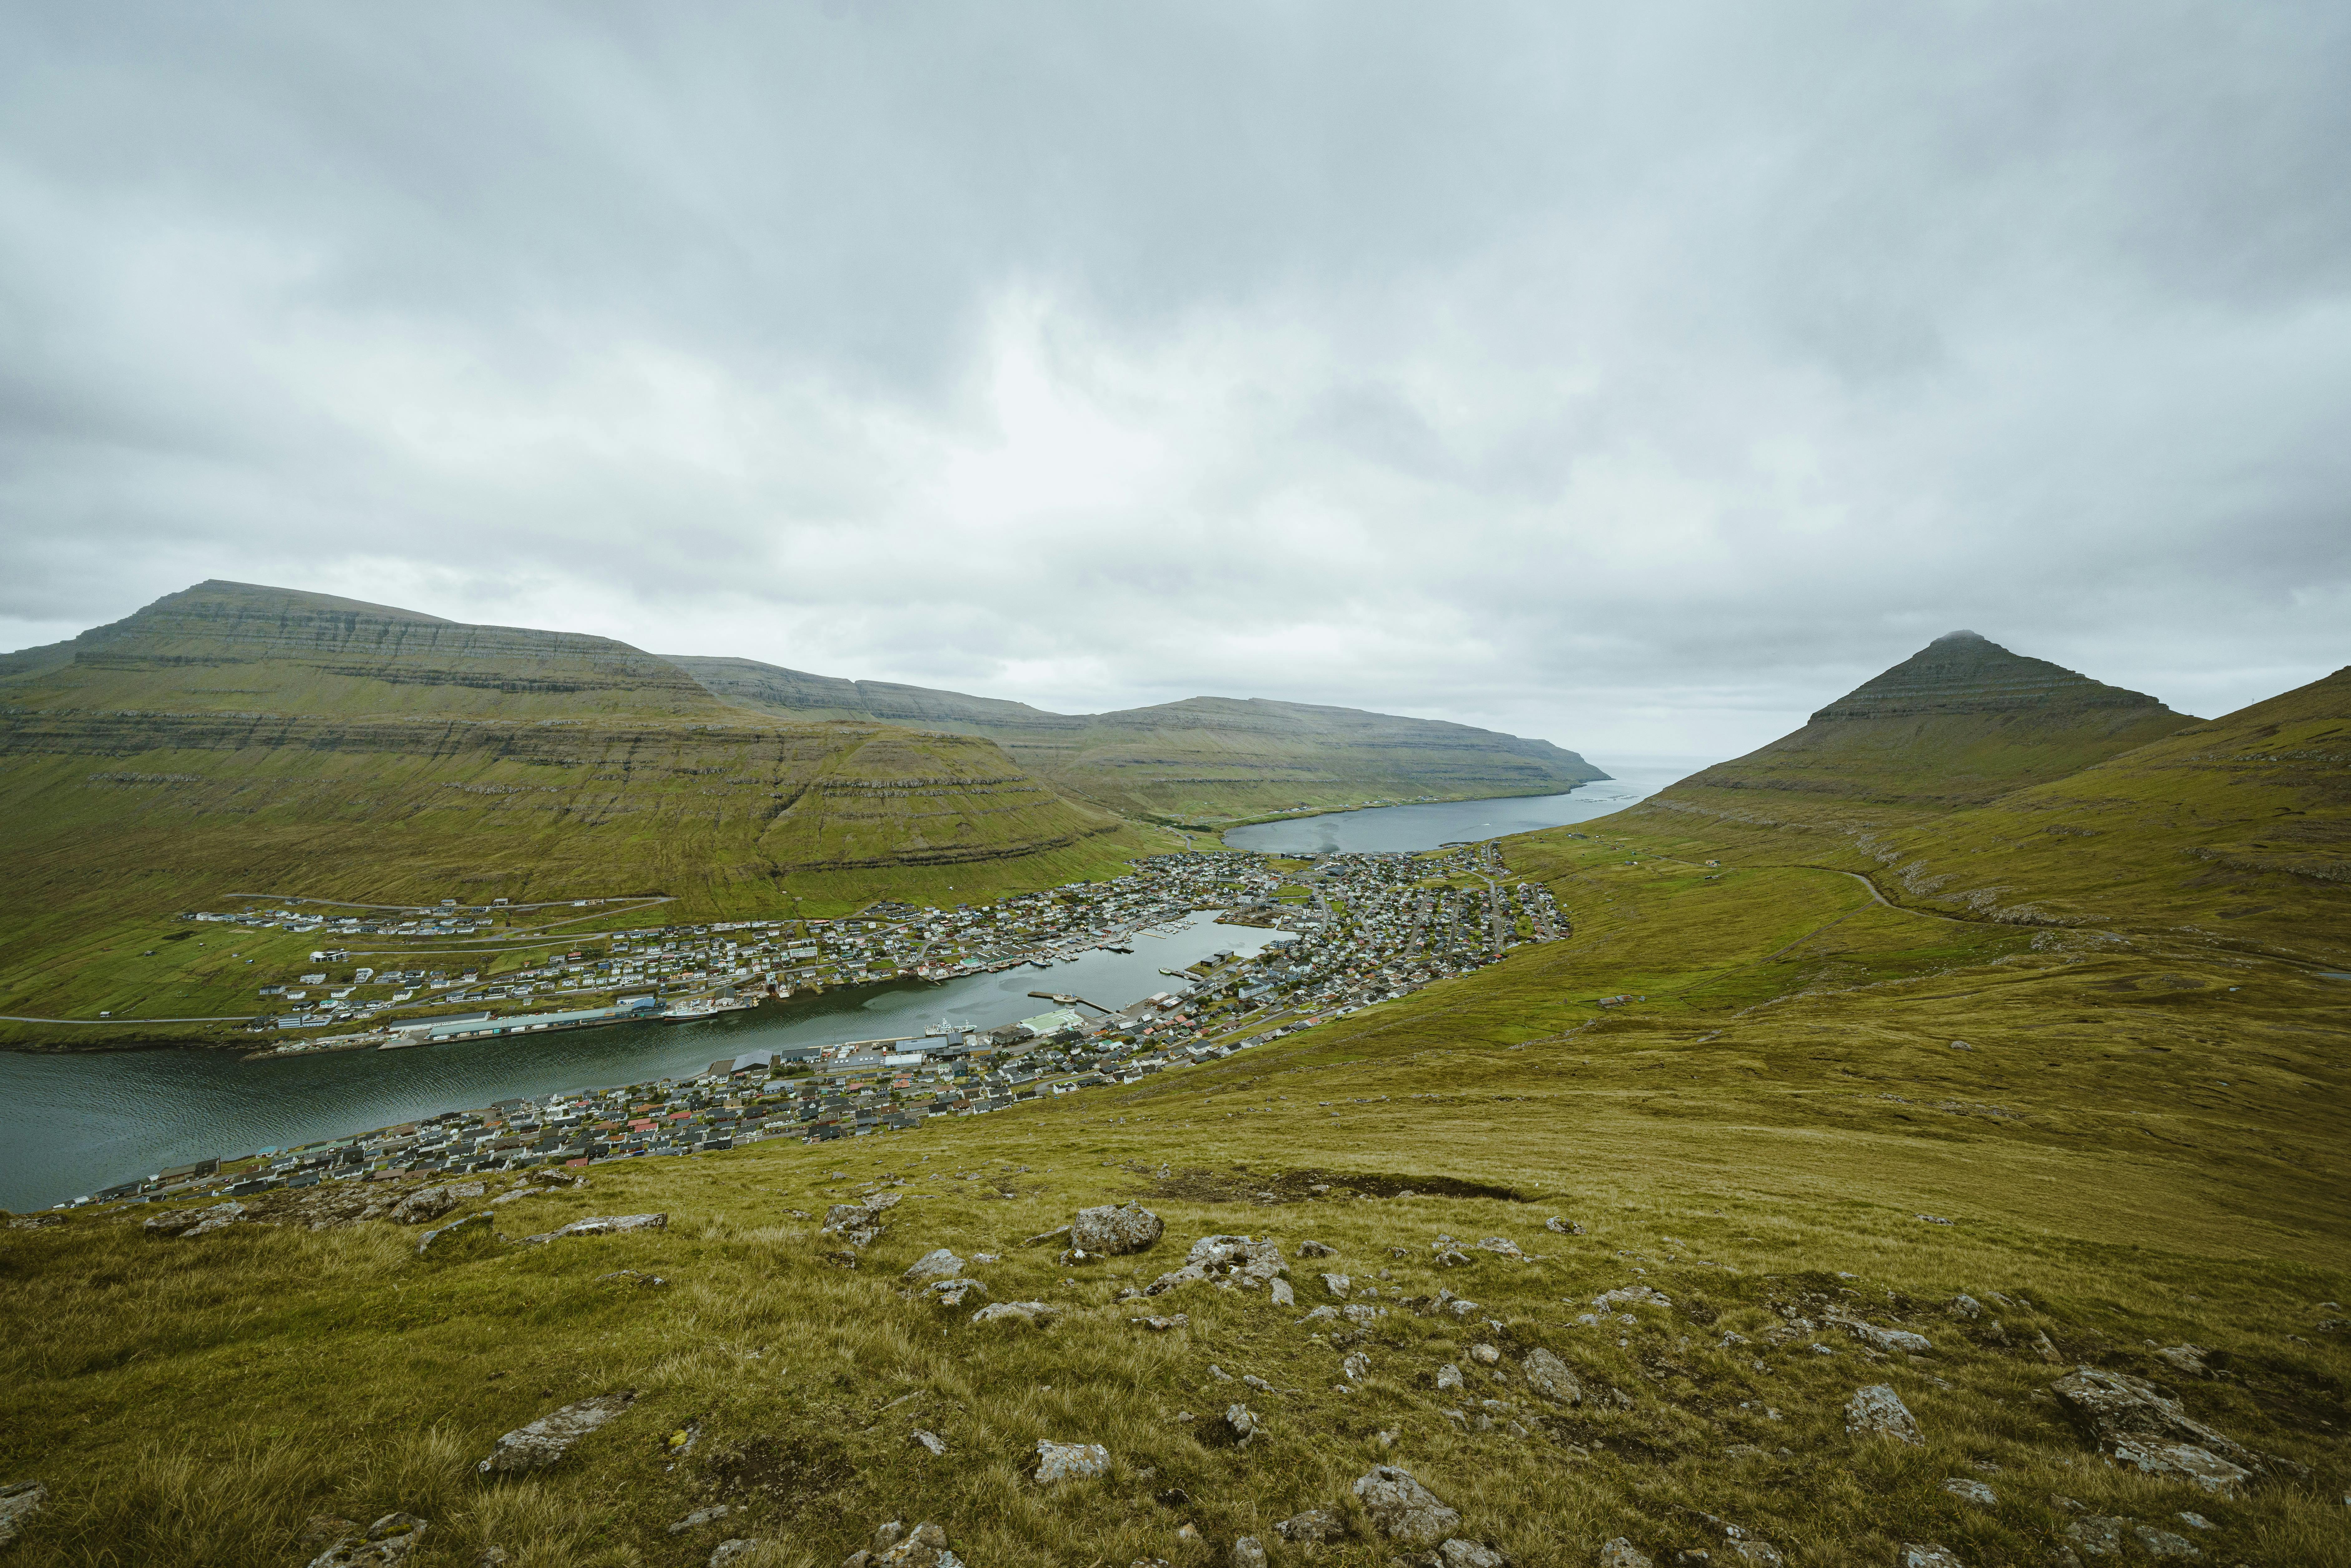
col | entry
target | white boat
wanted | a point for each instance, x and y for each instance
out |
(702, 1007)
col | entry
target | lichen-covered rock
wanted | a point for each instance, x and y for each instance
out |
(603, 1225)
(1337, 1285)
(1070, 1461)
(1448, 1376)
(1283, 1296)
(1925, 1554)
(1311, 1528)
(1485, 1355)
(700, 1517)
(930, 1443)
(190, 1222)
(455, 1225)
(1622, 1554)
(938, 1263)
(1248, 1262)
(1240, 1422)
(1314, 1250)
(1403, 1509)
(1892, 1342)
(548, 1438)
(433, 1202)
(2099, 1535)
(1877, 1410)
(389, 1541)
(1357, 1366)
(1116, 1230)
(2158, 1543)
(19, 1500)
(1502, 1245)
(1033, 1312)
(1459, 1553)
(953, 1292)
(1973, 1492)
(1551, 1376)
(1630, 1296)
(2140, 1426)
(1247, 1552)
(924, 1546)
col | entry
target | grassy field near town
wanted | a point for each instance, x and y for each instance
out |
(2142, 1145)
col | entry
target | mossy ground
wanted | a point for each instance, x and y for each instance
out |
(2143, 1146)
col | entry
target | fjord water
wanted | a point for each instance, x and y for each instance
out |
(1456, 821)
(82, 1122)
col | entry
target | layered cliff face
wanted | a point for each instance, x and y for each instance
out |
(233, 737)
(1960, 722)
(1204, 755)
(234, 647)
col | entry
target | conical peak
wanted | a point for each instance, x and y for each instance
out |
(1963, 672)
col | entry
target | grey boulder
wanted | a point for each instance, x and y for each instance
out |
(608, 1225)
(1622, 1554)
(1115, 1230)
(1311, 1528)
(940, 1263)
(1403, 1509)
(1877, 1410)
(1551, 1376)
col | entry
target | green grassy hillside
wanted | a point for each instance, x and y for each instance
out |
(1961, 721)
(238, 740)
(1202, 757)
(1823, 1109)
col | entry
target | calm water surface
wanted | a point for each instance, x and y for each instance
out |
(79, 1123)
(1456, 821)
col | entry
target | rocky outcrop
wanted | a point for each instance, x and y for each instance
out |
(1070, 1461)
(2137, 1423)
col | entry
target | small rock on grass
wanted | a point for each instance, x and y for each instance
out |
(1070, 1461)
(1034, 1312)
(938, 1263)
(1357, 1366)
(1972, 1491)
(19, 1500)
(730, 1550)
(931, 1442)
(1283, 1296)
(1459, 1553)
(1553, 1377)
(1311, 1528)
(1247, 1552)
(548, 1438)
(1484, 1354)
(608, 1225)
(2163, 1542)
(1160, 1324)
(1315, 1249)
(1622, 1554)
(1925, 1554)
(389, 1541)
(700, 1517)
(1878, 1410)
(1404, 1509)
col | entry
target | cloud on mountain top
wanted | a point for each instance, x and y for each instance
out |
(1636, 377)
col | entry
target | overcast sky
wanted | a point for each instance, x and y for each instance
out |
(1639, 377)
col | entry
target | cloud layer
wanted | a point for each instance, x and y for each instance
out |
(1634, 377)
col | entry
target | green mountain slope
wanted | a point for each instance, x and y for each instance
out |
(1957, 723)
(2118, 812)
(1615, 1274)
(235, 738)
(1208, 755)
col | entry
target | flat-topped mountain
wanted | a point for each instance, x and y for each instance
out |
(1959, 722)
(236, 737)
(236, 647)
(1204, 755)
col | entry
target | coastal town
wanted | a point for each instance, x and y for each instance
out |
(1347, 932)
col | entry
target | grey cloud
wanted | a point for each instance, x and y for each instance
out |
(1638, 377)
